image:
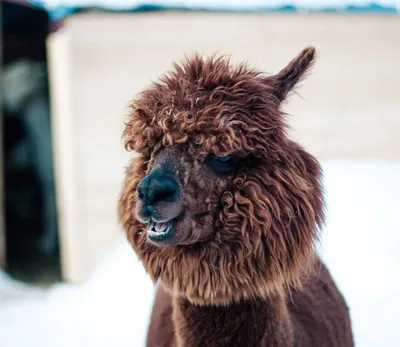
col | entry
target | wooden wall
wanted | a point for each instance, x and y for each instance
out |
(348, 106)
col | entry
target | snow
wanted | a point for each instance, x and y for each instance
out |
(217, 5)
(361, 245)
(59, 9)
(112, 308)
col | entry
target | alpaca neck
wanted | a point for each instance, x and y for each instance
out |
(256, 322)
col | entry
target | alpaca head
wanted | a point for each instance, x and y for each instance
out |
(219, 204)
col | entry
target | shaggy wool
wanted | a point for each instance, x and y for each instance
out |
(239, 267)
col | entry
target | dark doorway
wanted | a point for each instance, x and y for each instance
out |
(32, 251)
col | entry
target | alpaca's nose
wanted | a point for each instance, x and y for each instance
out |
(156, 188)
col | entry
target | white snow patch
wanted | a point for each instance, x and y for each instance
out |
(111, 309)
(361, 242)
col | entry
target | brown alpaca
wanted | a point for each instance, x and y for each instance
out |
(223, 209)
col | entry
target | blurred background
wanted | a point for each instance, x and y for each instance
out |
(69, 70)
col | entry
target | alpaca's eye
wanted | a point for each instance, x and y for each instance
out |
(224, 160)
(222, 165)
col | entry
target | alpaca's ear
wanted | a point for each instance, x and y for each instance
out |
(284, 81)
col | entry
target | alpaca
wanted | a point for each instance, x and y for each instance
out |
(224, 210)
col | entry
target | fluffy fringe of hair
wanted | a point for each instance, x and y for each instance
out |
(268, 218)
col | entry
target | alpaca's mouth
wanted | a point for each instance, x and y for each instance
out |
(159, 231)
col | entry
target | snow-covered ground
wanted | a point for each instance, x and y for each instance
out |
(360, 244)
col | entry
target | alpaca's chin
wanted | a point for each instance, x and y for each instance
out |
(160, 231)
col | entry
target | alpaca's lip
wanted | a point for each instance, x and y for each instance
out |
(159, 231)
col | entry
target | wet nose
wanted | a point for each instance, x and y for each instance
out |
(156, 188)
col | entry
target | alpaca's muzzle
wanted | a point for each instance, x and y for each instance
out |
(158, 203)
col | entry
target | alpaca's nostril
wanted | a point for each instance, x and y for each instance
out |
(163, 189)
(157, 188)
(165, 194)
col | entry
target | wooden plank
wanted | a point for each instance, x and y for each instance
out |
(68, 178)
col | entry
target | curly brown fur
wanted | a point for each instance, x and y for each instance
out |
(243, 233)
(314, 317)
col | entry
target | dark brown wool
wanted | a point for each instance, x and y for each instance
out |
(239, 267)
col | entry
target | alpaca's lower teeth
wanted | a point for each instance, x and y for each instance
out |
(156, 230)
(160, 227)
